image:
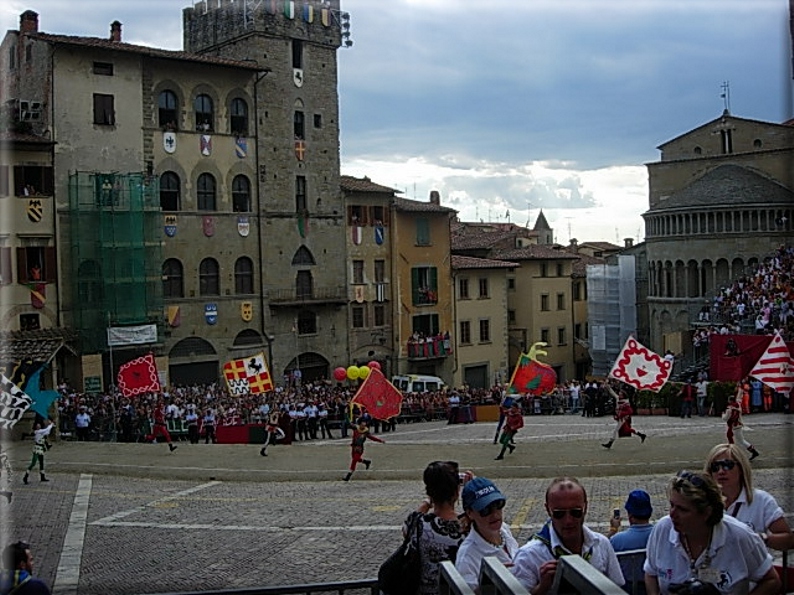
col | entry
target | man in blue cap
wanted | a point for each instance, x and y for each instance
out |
(639, 509)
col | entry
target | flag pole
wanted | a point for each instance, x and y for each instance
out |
(110, 353)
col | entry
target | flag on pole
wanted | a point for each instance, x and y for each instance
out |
(381, 398)
(775, 368)
(638, 366)
(139, 376)
(13, 403)
(249, 375)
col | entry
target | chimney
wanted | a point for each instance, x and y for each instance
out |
(115, 31)
(29, 22)
(435, 197)
(628, 242)
(574, 245)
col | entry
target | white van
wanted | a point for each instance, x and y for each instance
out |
(416, 383)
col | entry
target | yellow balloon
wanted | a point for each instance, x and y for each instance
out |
(363, 372)
(353, 372)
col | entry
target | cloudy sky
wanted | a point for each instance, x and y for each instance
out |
(512, 106)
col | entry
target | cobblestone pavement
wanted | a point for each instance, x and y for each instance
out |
(135, 518)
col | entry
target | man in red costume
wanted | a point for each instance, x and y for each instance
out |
(361, 434)
(622, 416)
(159, 428)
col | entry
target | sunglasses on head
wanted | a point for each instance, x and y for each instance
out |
(559, 513)
(726, 464)
(691, 478)
(492, 507)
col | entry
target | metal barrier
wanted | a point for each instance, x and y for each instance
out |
(496, 579)
(362, 586)
(450, 582)
(575, 575)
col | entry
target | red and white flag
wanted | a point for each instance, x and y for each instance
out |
(139, 376)
(640, 367)
(775, 368)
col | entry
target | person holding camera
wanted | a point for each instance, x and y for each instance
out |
(698, 548)
(639, 509)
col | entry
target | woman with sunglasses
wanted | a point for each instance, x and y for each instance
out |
(697, 543)
(438, 531)
(483, 504)
(759, 510)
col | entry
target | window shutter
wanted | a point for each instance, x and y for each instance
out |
(50, 266)
(22, 265)
(5, 266)
(4, 180)
(47, 182)
(19, 180)
(432, 278)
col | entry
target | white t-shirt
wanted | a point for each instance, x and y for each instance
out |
(596, 548)
(760, 514)
(736, 557)
(474, 548)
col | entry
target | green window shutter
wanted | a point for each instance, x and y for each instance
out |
(422, 232)
(415, 285)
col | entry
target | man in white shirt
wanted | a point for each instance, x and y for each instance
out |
(564, 533)
(82, 423)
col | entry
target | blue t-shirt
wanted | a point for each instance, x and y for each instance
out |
(633, 538)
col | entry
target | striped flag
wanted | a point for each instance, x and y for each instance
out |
(775, 368)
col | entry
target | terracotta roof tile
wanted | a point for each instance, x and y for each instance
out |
(118, 46)
(470, 262)
(472, 236)
(415, 206)
(351, 184)
(535, 252)
(580, 266)
(39, 346)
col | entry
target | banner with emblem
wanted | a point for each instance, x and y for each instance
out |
(289, 9)
(208, 225)
(35, 210)
(297, 77)
(169, 142)
(174, 316)
(356, 233)
(300, 149)
(243, 226)
(38, 295)
(169, 225)
(249, 375)
(379, 234)
(638, 366)
(211, 313)
(241, 147)
(308, 13)
(247, 311)
(206, 145)
(359, 293)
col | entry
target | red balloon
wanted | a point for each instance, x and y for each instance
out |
(374, 364)
(340, 373)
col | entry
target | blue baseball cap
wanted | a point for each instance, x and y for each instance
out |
(479, 493)
(639, 504)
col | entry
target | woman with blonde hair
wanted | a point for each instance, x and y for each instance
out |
(697, 546)
(759, 510)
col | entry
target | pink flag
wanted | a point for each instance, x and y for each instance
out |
(775, 368)
(640, 367)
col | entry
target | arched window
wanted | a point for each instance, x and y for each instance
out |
(244, 276)
(239, 117)
(167, 112)
(204, 113)
(205, 192)
(241, 194)
(173, 279)
(169, 192)
(303, 256)
(209, 278)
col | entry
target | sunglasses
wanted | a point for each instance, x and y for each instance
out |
(689, 477)
(492, 507)
(559, 513)
(726, 464)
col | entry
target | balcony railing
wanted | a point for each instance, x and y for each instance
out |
(317, 295)
(429, 348)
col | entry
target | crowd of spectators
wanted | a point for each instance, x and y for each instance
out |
(762, 300)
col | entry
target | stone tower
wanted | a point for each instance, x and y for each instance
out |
(300, 210)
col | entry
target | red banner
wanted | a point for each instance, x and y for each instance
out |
(139, 376)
